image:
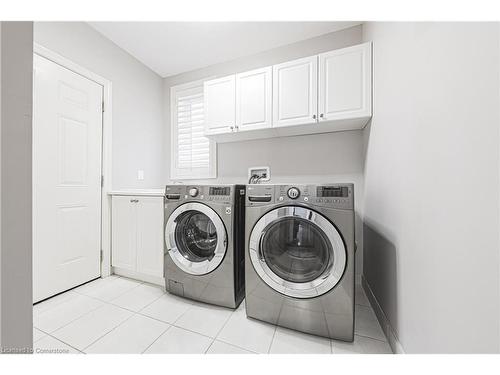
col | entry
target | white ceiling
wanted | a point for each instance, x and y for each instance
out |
(170, 48)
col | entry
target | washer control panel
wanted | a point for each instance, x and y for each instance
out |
(210, 193)
(325, 195)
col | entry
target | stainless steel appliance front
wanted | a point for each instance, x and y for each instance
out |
(300, 257)
(204, 248)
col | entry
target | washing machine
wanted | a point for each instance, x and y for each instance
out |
(299, 258)
(204, 243)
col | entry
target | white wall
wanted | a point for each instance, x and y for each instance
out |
(432, 184)
(333, 157)
(137, 99)
(16, 73)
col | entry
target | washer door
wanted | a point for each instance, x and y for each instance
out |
(297, 252)
(196, 239)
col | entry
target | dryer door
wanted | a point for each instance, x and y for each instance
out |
(297, 252)
(195, 238)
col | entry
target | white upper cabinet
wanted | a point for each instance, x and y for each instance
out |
(324, 93)
(254, 99)
(220, 105)
(295, 92)
(345, 83)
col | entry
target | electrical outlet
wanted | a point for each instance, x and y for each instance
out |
(263, 172)
(140, 175)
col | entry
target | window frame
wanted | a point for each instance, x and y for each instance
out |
(179, 173)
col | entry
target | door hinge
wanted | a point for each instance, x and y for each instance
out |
(102, 181)
(102, 255)
(102, 107)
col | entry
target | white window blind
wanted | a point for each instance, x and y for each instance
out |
(193, 154)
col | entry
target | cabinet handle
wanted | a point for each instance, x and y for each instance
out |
(232, 128)
(321, 115)
(134, 200)
(314, 117)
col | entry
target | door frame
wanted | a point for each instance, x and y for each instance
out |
(106, 143)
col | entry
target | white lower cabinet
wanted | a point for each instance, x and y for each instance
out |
(137, 237)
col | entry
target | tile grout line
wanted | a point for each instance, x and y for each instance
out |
(272, 340)
(112, 329)
(155, 340)
(118, 296)
(190, 330)
(209, 346)
(142, 308)
(152, 317)
(236, 346)
(81, 316)
(225, 323)
(220, 330)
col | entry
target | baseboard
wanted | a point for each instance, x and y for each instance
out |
(139, 276)
(389, 331)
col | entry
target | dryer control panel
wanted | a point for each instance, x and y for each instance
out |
(325, 195)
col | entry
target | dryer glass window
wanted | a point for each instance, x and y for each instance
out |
(296, 249)
(196, 236)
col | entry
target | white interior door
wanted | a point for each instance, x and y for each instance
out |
(67, 142)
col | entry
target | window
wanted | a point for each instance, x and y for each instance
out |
(193, 156)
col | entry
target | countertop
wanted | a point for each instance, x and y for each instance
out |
(139, 192)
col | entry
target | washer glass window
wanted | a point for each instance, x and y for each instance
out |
(296, 249)
(297, 252)
(196, 236)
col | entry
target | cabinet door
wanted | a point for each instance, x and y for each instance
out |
(220, 105)
(150, 236)
(295, 92)
(253, 99)
(345, 83)
(124, 232)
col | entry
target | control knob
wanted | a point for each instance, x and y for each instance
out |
(293, 193)
(193, 192)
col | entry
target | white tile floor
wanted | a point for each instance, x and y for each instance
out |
(120, 315)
